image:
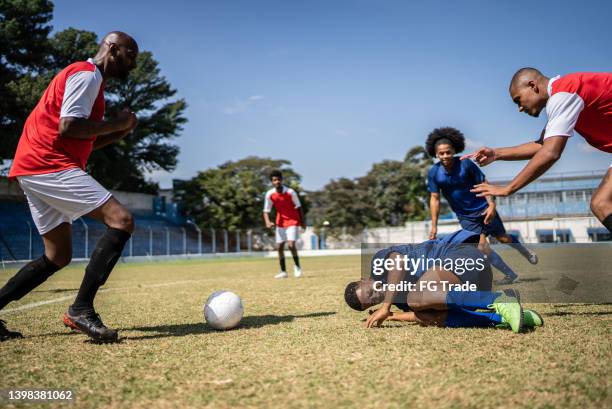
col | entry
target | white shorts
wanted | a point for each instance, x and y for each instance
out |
(61, 197)
(291, 233)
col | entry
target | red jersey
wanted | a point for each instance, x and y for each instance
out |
(286, 204)
(581, 101)
(77, 91)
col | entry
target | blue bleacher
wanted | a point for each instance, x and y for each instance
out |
(150, 236)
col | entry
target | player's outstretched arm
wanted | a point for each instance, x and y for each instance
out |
(83, 128)
(545, 157)
(434, 208)
(486, 155)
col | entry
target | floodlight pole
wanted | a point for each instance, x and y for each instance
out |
(184, 240)
(225, 240)
(150, 241)
(238, 241)
(250, 240)
(195, 226)
(214, 240)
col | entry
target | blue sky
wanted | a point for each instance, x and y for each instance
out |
(335, 86)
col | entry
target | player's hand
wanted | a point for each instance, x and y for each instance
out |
(485, 189)
(378, 317)
(433, 233)
(270, 225)
(489, 214)
(126, 119)
(482, 156)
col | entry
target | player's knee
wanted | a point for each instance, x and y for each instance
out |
(122, 220)
(291, 245)
(598, 205)
(60, 259)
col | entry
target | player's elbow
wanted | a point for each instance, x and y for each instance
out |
(66, 127)
(551, 155)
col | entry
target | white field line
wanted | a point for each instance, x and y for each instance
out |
(69, 297)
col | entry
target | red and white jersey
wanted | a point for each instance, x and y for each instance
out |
(581, 101)
(286, 204)
(77, 91)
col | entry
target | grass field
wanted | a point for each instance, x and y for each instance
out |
(298, 346)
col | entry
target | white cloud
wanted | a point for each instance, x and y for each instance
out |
(240, 105)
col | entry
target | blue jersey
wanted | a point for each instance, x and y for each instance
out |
(455, 185)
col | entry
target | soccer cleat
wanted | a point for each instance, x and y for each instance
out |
(90, 324)
(506, 280)
(509, 307)
(532, 258)
(297, 272)
(6, 334)
(532, 319)
(282, 274)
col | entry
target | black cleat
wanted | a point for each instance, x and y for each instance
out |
(506, 280)
(90, 324)
(6, 334)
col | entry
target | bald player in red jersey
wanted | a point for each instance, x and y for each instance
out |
(57, 139)
(579, 102)
(289, 219)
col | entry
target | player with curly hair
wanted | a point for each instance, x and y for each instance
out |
(454, 178)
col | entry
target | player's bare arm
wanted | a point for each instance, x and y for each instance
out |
(82, 128)
(486, 155)
(268, 223)
(380, 315)
(545, 157)
(434, 207)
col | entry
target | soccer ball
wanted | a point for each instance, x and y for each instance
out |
(223, 310)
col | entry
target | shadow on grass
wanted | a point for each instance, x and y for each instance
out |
(565, 313)
(252, 321)
(56, 290)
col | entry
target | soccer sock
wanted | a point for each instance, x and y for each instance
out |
(281, 261)
(103, 259)
(28, 278)
(296, 260)
(608, 222)
(471, 299)
(462, 318)
(520, 247)
(500, 264)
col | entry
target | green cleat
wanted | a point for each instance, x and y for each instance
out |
(507, 305)
(532, 319)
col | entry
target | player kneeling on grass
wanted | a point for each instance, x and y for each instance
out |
(49, 164)
(454, 178)
(438, 296)
(289, 219)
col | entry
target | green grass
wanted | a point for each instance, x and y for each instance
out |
(298, 346)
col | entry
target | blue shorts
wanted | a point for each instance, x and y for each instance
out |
(476, 225)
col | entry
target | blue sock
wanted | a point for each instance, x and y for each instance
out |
(500, 264)
(462, 318)
(516, 244)
(471, 299)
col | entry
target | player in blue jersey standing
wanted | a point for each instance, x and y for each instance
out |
(454, 178)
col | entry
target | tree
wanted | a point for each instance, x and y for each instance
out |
(24, 28)
(231, 195)
(390, 194)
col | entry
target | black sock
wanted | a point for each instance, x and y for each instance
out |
(281, 261)
(608, 222)
(28, 278)
(296, 260)
(103, 259)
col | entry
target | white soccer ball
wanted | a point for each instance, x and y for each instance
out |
(223, 310)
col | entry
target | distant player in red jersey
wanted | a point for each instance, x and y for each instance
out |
(58, 137)
(289, 219)
(581, 101)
